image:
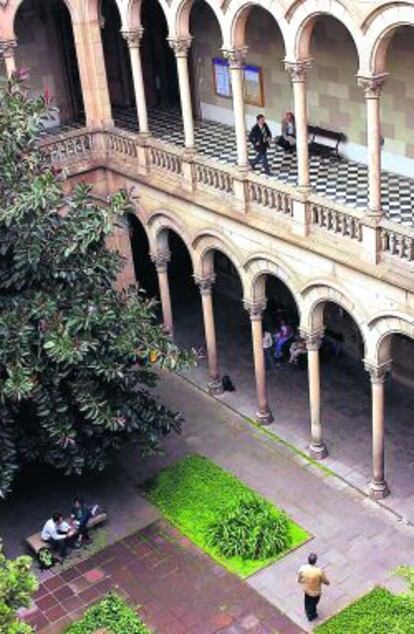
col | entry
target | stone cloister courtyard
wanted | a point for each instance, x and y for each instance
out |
(358, 541)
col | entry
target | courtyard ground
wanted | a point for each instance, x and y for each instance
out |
(358, 541)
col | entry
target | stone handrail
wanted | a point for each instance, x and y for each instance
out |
(397, 241)
(76, 144)
(270, 195)
(336, 219)
(164, 157)
(209, 175)
(122, 143)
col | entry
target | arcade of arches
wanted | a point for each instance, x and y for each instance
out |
(147, 66)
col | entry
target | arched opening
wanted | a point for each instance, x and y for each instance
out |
(43, 29)
(145, 273)
(336, 103)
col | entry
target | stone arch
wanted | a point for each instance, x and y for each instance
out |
(236, 19)
(380, 28)
(259, 265)
(204, 245)
(73, 6)
(302, 22)
(180, 12)
(314, 297)
(380, 332)
(159, 223)
(131, 13)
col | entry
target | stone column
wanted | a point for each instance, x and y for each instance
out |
(317, 448)
(372, 87)
(180, 47)
(161, 261)
(92, 72)
(7, 54)
(256, 309)
(206, 288)
(236, 58)
(133, 39)
(378, 488)
(297, 72)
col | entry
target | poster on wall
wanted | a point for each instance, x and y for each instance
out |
(253, 86)
(221, 74)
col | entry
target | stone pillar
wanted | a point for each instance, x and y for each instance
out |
(236, 58)
(297, 72)
(7, 54)
(372, 87)
(180, 47)
(206, 287)
(92, 72)
(161, 261)
(378, 488)
(120, 240)
(256, 309)
(317, 448)
(133, 39)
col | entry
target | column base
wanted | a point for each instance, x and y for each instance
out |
(318, 452)
(215, 387)
(378, 490)
(264, 417)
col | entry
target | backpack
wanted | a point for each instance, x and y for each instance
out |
(227, 384)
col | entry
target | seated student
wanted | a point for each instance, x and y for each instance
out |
(282, 336)
(297, 348)
(58, 534)
(80, 516)
(287, 140)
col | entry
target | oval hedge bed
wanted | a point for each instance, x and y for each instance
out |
(209, 506)
(111, 614)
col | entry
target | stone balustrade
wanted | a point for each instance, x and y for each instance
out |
(333, 219)
(212, 177)
(397, 241)
(269, 195)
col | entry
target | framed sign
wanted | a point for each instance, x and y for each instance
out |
(253, 86)
(221, 75)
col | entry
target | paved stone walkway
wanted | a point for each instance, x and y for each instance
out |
(178, 589)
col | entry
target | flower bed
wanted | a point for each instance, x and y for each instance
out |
(111, 614)
(194, 494)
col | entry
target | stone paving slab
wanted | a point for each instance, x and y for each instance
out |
(175, 587)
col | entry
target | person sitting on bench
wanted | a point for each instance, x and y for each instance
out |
(58, 534)
(80, 516)
(287, 140)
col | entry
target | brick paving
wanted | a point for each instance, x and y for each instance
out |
(177, 587)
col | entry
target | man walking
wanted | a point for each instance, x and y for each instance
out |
(311, 578)
(260, 137)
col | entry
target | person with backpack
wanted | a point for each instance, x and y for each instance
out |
(260, 137)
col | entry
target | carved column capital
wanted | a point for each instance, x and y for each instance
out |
(379, 372)
(161, 260)
(236, 57)
(298, 71)
(7, 48)
(133, 38)
(180, 45)
(205, 283)
(313, 339)
(255, 308)
(372, 86)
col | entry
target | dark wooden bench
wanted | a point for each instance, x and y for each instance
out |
(325, 142)
(35, 542)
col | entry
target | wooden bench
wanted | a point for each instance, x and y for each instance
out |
(325, 142)
(35, 542)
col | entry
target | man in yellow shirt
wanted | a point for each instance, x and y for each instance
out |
(311, 579)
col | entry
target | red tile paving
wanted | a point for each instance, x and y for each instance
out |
(176, 587)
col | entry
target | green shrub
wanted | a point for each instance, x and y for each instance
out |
(111, 613)
(379, 612)
(251, 529)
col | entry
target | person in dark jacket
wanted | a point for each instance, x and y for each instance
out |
(80, 515)
(260, 137)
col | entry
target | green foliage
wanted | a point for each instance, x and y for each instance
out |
(17, 584)
(74, 355)
(251, 529)
(407, 573)
(195, 494)
(111, 613)
(379, 612)
(45, 558)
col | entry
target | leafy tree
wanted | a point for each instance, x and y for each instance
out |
(75, 353)
(17, 584)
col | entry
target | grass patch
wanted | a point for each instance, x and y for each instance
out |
(112, 614)
(194, 493)
(378, 612)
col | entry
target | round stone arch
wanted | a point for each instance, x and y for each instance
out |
(303, 18)
(75, 8)
(159, 224)
(204, 245)
(314, 297)
(379, 336)
(180, 17)
(380, 27)
(234, 29)
(258, 266)
(130, 11)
